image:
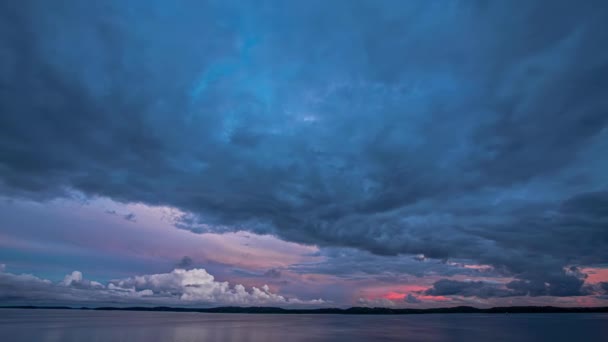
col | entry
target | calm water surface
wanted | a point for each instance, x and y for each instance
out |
(92, 326)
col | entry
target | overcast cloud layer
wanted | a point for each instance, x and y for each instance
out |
(462, 129)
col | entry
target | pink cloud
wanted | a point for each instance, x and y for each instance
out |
(595, 274)
(434, 298)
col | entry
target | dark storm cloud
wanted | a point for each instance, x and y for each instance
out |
(446, 287)
(568, 286)
(453, 130)
(569, 283)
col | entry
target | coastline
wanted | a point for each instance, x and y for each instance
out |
(335, 311)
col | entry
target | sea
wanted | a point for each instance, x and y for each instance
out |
(92, 326)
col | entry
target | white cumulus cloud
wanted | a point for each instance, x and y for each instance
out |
(178, 287)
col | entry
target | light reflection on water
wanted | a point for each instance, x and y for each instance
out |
(93, 326)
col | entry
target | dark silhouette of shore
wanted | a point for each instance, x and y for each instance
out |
(338, 311)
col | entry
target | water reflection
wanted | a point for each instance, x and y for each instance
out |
(92, 326)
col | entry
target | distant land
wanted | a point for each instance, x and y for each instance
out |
(349, 311)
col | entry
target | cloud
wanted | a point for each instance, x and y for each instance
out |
(185, 262)
(178, 287)
(561, 287)
(411, 299)
(447, 287)
(569, 283)
(130, 217)
(197, 285)
(75, 279)
(378, 302)
(273, 273)
(350, 263)
(458, 131)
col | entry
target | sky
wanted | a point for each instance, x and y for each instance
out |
(304, 153)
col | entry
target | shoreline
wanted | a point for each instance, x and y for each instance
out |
(338, 311)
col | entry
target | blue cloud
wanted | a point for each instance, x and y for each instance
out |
(470, 130)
